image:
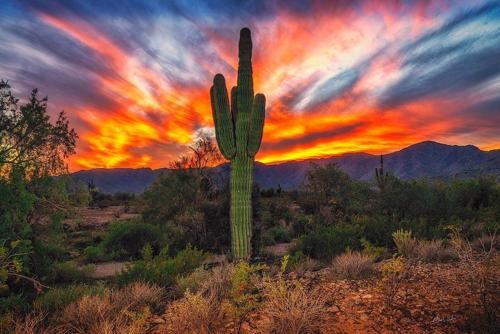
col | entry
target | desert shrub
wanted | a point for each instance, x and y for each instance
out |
(218, 284)
(162, 269)
(373, 251)
(30, 324)
(275, 235)
(299, 263)
(353, 265)
(136, 295)
(16, 303)
(486, 242)
(126, 239)
(6, 322)
(192, 281)
(193, 314)
(324, 243)
(290, 306)
(243, 284)
(393, 273)
(56, 298)
(434, 251)
(406, 244)
(70, 271)
(301, 224)
(279, 234)
(97, 254)
(480, 269)
(243, 294)
(117, 311)
(202, 311)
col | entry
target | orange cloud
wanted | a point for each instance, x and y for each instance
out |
(323, 76)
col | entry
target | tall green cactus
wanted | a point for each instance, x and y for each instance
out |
(381, 176)
(238, 129)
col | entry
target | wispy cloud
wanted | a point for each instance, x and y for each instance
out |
(339, 75)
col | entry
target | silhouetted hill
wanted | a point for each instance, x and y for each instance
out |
(426, 159)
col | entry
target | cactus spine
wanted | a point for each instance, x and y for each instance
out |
(238, 129)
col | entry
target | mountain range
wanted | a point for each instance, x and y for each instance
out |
(427, 159)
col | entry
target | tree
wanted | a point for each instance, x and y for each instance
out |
(187, 202)
(32, 149)
(28, 139)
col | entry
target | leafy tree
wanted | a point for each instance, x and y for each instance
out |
(32, 149)
(27, 137)
(331, 195)
(187, 202)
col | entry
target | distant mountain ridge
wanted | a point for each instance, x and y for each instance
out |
(427, 159)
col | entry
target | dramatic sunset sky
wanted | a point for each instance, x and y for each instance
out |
(339, 76)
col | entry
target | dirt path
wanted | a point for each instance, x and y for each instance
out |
(108, 269)
(279, 249)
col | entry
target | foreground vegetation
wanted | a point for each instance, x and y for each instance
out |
(382, 234)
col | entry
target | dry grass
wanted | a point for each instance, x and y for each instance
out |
(218, 284)
(434, 251)
(307, 264)
(31, 324)
(137, 295)
(118, 311)
(201, 312)
(193, 314)
(406, 244)
(486, 242)
(291, 307)
(422, 250)
(353, 265)
(480, 266)
(192, 281)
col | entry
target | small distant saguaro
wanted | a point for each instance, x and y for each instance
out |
(239, 124)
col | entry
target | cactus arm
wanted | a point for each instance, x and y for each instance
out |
(256, 124)
(224, 128)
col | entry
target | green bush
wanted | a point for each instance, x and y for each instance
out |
(56, 298)
(162, 269)
(13, 303)
(192, 281)
(370, 250)
(126, 239)
(97, 253)
(323, 243)
(70, 271)
(275, 235)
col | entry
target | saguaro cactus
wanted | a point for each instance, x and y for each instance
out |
(381, 176)
(238, 129)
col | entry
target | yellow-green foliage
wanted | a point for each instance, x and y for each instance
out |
(406, 243)
(244, 293)
(193, 281)
(393, 267)
(371, 250)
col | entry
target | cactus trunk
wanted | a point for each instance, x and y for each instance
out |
(241, 205)
(238, 129)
